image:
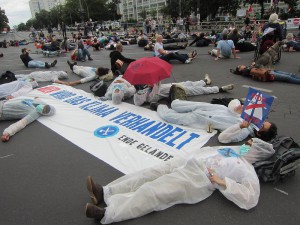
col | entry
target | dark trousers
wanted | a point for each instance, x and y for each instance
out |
(174, 56)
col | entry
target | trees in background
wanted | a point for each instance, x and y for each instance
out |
(3, 19)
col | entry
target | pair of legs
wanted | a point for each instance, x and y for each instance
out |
(286, 77)
(153, 189)
(82, 53)
(40, 64)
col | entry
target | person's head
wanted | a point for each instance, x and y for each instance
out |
(201, 35)
(79, 37)
(235, 31)
(45, 110)
(235, 106)
(256, 150)
(290, 36)
(101, 71)
(117, 96)
(24, 50)
(159, 38)
(273, 18)
(119, 47)
(224, 36)
(267, 132)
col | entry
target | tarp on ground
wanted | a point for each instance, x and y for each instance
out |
(125, 136)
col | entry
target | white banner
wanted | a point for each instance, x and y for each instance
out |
(125, 136)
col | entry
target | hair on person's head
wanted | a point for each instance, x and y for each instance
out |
(269, 134)
(24, 50)
(201, 35)
(119, 46)
(102, 71)
(225, 36)
(289, 36)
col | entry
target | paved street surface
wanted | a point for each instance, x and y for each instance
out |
(43, 175)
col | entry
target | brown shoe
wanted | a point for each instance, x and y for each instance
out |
(92, 211)
(95, 190)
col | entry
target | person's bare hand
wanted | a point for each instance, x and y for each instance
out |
(244, 124)
(215, 178)
(9, 97)
(217, 58)
(5, 137)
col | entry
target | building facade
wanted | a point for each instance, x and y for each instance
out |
(37, 5)
(132, 9)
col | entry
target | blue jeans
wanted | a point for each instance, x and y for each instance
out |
(36, 64)
(174, 56)
(82, 53)
(286, 77)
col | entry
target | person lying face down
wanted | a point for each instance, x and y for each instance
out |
(27, 110)
(182, 181)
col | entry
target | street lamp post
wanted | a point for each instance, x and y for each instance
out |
(198, 11)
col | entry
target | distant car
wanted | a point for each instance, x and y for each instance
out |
(11, 31)
(115, 25)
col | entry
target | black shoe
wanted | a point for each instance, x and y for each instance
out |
(154, 105)
(47, 65)
(95, 190)
(71, 64)
(90, 58)
(54, 63)
(92, 211)
(1, 55)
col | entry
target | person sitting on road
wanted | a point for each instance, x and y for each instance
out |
(82, 51)
(117, 55)
(30, 63)
(291, 44)
(224, 49)
(240, 44)
(66, 45)
(167, 56)
(184, 180)
(27, 110)
(89, 74)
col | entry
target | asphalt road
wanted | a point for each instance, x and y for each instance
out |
(43, 175)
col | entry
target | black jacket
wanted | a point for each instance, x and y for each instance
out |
(114, 56)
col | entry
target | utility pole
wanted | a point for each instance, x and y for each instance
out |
(198, 11)
(180, 8)
(81, 11)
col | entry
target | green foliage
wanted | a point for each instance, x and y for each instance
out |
(143, 14)
(3, 19)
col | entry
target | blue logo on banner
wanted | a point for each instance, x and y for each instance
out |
(106, 131)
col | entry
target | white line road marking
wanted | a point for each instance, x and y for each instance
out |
(2, 157)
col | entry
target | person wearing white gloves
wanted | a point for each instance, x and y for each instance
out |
(27, 110)
(201, 114)
(182, 181)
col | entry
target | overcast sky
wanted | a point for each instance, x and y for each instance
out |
(17, 11)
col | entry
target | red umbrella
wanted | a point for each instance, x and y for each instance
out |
(147, 71)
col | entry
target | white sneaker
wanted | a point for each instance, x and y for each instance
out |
(207, 79)
(187, 61)
(227, 87)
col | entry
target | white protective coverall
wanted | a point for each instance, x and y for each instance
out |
(23, 109)
(89, 74)
(43, 76)
(199, 114)
(126, 87)
(235, 134)
(16, 88)
(185, 181)
(159, 91)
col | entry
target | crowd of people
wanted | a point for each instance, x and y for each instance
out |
(171, 183)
